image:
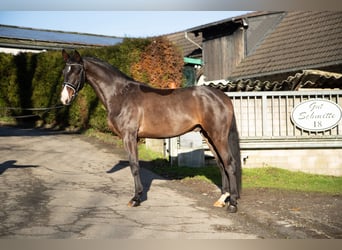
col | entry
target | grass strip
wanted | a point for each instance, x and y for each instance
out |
(265, 177)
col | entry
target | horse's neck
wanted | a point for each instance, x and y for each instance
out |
(105, 83)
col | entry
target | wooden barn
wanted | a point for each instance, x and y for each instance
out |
(271, 64)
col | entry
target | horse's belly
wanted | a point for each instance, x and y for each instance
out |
(161, 128)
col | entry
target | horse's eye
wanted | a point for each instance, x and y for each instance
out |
(66, 69)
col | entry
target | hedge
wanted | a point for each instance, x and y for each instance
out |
(30, 80)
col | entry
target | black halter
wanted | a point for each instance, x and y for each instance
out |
(79, 84)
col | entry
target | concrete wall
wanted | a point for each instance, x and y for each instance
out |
(315, 161)
(155, 145)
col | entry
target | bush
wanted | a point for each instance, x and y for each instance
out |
(30, 80)
(9, 88)
(161, 65)
(46, 86)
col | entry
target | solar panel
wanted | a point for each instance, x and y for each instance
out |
(57, 36)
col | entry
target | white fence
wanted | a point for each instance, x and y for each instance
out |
(264, 120)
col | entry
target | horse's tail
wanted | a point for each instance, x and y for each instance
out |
(234, 149)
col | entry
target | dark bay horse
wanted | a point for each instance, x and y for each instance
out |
(136, 110)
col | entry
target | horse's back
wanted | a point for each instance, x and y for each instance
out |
(185, 95)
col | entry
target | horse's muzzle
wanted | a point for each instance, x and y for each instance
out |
(66, 96)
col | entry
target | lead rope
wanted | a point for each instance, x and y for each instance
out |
(45, 109)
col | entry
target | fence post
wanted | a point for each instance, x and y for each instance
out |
(264, 114)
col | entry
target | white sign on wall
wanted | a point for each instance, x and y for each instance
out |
(316, 115)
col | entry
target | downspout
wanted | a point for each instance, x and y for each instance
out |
(244, 24)
(193, 42)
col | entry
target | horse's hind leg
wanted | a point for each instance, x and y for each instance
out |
(225, 182)
(234, 192)
(220, 148)
(230, 169)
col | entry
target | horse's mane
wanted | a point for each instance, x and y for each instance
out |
(108, 66)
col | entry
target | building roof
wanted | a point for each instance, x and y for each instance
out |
(300, 80)
(13, 36)
(302, 40)
(222, 24)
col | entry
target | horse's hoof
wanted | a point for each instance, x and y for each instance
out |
(133, 203)
(219, 204)
(232, 209)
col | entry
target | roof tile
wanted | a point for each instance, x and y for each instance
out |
(301, 40)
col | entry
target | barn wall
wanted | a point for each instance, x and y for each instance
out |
(221, 55)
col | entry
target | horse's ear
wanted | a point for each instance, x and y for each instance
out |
(65, 55)
(77, 57)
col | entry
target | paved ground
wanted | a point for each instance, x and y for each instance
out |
(55, 185)
(58, 185)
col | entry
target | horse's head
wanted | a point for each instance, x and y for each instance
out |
(74, 77)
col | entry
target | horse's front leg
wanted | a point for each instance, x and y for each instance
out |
(130, 144)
